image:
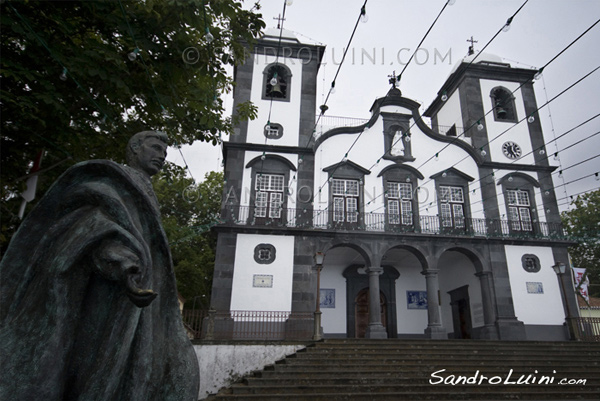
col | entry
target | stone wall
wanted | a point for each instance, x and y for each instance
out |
(222, 364)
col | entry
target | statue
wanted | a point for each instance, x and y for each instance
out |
(88, 302)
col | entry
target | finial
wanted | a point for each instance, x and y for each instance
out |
(279, 21)
(471, 48)
(393, 79)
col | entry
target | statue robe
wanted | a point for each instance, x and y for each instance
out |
(69, 328)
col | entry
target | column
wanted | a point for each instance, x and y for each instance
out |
(375, 329)
(489, 331)
(435, 329)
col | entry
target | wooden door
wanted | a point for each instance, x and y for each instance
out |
(362, 312)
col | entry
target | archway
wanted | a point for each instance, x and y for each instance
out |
(460, 293)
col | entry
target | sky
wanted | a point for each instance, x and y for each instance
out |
(384, 43)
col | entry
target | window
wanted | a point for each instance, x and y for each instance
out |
(345, 200)
(399, 202)
(269, 195)
(451, 131)
(519, 210)
(503, 104)
(277, 82)
(452, 206)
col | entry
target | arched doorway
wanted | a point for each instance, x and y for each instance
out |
(361, 312)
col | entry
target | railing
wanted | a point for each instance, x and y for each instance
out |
(249, 325)
(382, 222)
(587, 328)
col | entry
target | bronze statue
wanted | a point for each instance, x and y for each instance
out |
(88, 302)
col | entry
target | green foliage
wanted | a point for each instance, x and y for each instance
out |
(583, 222)
(173, 84)
(188, 211)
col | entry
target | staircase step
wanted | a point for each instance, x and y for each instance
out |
(450, 394)
(346, 369)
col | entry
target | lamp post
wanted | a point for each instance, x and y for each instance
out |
(560, 269)
(319, 257)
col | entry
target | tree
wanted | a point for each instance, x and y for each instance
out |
(188, 211)
(80, 77)
(583, 224)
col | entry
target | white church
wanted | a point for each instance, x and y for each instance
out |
(400, 226)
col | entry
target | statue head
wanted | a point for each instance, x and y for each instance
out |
(146, 151)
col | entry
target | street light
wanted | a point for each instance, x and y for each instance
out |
(319, 257)
(560, 269)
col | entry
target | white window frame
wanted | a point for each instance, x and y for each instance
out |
(269, 195)
(452, 206)
(519, 210)
(345, 194)
(399, 195)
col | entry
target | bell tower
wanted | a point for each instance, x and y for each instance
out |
(492, 106)
(269, 174)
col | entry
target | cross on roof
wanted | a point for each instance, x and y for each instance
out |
(393, 79)
(471, 48)
(279, 21)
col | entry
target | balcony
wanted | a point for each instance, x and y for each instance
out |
(383, 223)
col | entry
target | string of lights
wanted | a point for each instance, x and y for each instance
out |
(362, 17)
(519, 168)
(393, 80)
(446, 4)
(65, 74)
(570, 198)
(500, 204)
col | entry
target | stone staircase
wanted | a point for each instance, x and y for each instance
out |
(356, 369)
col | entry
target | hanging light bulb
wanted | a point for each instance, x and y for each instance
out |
(560, 174)
(363, 15)
(444, 96)
(164, 111)
(542, 152)
(556, 156)
(451, 2)
(479, 126)
(208, 36)
(273, 80)
(407, 179)
(215, 101)
(407, 137)
(483, 152)
(132, 55)
(63, 75)
(510, 179)
(548, 210)
(289, 2)
(444, 174)
(332, 90)
(530, 119)
(597, 177)
(547, 193)
(300, 161)
(263, 157)
(506, 26)
(437, 156)
(538, 74)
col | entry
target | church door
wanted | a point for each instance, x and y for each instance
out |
(461, 312)
(362, 312)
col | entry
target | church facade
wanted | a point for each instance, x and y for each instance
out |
(440, 229)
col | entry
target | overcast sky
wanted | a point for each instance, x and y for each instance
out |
(394, 28)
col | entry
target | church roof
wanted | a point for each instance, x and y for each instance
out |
(286, 36)
(482, 58)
